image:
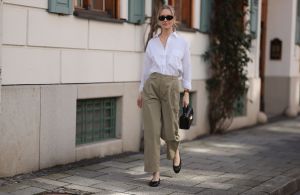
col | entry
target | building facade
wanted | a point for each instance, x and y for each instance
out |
(71, 70)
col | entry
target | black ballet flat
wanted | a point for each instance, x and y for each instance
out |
(154, 183)
(177, 168)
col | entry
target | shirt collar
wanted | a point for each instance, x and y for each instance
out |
(172, 34)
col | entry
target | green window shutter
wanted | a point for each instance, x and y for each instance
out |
(253, 18)
(206, 10)
(136, 11)
(298, 24)
(60, 6)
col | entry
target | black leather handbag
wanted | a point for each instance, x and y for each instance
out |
(186, 118)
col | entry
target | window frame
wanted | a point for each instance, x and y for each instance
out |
(96, 120)
(179, 14)
(87, 11)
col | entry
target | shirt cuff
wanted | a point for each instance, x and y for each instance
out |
(141, 88)
(187, 84)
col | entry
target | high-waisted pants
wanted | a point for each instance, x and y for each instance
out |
(160, 117)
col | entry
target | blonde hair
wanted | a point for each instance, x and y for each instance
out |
(154, 22)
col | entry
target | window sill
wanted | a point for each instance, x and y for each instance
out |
(95, 15)
(185, 29)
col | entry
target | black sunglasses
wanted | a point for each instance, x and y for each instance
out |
(168, 17)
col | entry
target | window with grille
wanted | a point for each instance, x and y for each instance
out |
(95, 120)
(183, 13)
(240, 106)
(95, 9)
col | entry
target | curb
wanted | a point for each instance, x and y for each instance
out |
(288, 189)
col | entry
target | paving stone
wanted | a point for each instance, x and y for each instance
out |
(182, 182)
(4, 193)
(56, 176)
(13, 187)
(37, 184)
(110, 177)
(184, 189)
(85, 173)
(145, 190)
(203, 178)
(50, 182)
(214, 185)
(114, 186)
(28, 191)
(130, 159)
(95, 167)
(105, 192)
(240, 189)
(138, 168)
(260, 178)
(84, 188)
(80, 180)
(119, 165)
(254, 193)
(217, 192)
(244, 182)
(116, 170)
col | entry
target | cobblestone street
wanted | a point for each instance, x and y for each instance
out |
(259, 160)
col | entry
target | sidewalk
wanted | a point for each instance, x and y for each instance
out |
(259, 160)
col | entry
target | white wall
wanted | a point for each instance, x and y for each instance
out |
(55, 44)
(1, 21)
(58, 45)
(281, 24)
(196, 13)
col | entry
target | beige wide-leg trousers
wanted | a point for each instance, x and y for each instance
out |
(160, 117)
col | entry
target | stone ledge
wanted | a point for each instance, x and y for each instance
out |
(289, 188)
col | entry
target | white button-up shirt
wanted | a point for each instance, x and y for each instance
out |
(173, 59)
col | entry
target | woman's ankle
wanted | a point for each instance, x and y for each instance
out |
(155, 176)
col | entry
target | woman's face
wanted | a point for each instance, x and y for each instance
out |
(166, 19)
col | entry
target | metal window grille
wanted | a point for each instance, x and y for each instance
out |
(240, 106)
(95, 120)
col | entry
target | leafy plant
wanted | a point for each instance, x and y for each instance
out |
(230, 41)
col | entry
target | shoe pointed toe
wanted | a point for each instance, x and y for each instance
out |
(154, 183)
(177, 168)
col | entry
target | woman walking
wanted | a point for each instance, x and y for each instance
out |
(167, 58)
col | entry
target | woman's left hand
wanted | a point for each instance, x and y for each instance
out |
(185, 99)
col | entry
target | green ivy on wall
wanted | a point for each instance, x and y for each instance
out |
(230, 41)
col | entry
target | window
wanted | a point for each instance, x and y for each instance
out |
(253, 17)
(184, 12)
(97, 9)
(240, 106)
(95, 120)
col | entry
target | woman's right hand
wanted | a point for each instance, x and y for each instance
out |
(140, 100)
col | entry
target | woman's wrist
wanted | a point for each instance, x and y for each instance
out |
(186, 91)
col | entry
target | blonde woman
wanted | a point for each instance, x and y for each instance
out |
(167, 58)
